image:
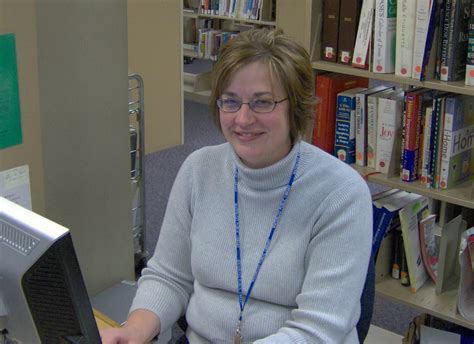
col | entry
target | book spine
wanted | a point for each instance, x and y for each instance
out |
(348, 20)
(424, 30)
(426, 155)
(384, 36)
(447, 24)
(447, 141)
(371, 130)
(380, 229)
(364, 32)
(329, 46)
(469, 79)
(439, 142)
(361, 129)
(458, 45)
(388, 125)
(410, 144)
(404, 37)
(344, 147)
(435, 118)
(321, 135)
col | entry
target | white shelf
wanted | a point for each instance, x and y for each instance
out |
(455, 87)
(443, 306)
(460, 194)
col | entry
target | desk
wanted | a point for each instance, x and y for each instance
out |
(104, 321)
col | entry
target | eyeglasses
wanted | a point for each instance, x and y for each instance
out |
(257, 105)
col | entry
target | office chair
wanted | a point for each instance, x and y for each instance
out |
(366, 306)
(367, 302)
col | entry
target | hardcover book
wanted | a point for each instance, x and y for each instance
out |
(425, 24)
(361, 123)
(344, 146)
(458, 145)
(372, 116)
(426, 151)
(330, 30)
(404, 37)
(454, 66)
(385, 28)
(364, 33)
(389, 122)
(470, 50)
(327, 88)
(410, 217)
(416, 102)
(348, 21)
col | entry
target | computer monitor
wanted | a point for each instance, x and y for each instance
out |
(42, 292)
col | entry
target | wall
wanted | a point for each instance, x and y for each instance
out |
(19, 17)
(73, 66)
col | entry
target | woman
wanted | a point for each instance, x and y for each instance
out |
(266, 238)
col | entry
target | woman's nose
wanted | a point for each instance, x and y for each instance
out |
(245, 115)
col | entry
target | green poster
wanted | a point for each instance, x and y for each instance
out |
(10, 121)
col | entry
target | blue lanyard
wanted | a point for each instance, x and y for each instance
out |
(269, 239)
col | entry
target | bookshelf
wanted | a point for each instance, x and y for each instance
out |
(296, 18)
(426, 300)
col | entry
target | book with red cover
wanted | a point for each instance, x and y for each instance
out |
(348, 24)
(330, 29)
(327, 88)
(411, 133)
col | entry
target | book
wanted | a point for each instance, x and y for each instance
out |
(410, 216)
(454, 66)
(327, 88)
(437, 122)
(330, 29)
(444, 39)
(344, 143)
(436, 162)
(385, 27)
(465, 301)
(389, 121)
(387, 210)
(364, 33)
(426, 155)
(412, 120)
(348, 21)
(457, 146)
(425, 24)
(372, 115)
(469, 79)
(361, 123)
(428, 246)
(406, 10)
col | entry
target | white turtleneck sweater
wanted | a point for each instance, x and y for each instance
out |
(308, 289)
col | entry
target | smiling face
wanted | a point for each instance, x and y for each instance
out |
(259, 139)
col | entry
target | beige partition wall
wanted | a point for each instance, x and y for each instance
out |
(19, 17)
(154, 45)
(72, 61)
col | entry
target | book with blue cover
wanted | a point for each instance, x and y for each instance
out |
(344, 145)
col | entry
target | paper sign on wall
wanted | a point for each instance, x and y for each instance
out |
(15, 185)
(10, 121)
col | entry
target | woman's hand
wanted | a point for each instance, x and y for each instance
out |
(141, 326)
(122, 335)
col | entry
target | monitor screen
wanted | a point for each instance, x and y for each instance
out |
(43, 298)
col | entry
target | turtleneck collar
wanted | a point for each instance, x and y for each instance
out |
(270, 177)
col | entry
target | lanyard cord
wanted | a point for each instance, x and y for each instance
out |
(242, 302)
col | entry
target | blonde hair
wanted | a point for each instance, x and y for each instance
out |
(289, 65)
